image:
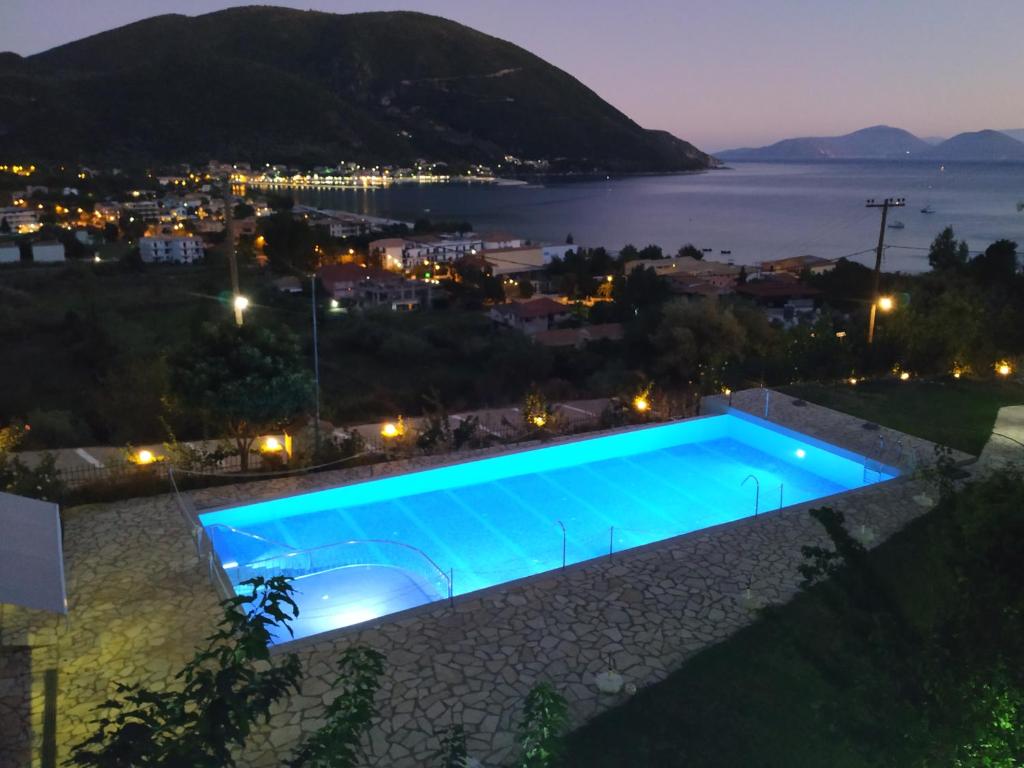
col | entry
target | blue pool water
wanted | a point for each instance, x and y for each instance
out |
(364, 550)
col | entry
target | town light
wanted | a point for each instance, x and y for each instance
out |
(539, 420)
(241, 303)
(641, 404)
(852, 380)
(905, 376)
(272, 445)
(1003, 368)
(886, 303)
(144, 457)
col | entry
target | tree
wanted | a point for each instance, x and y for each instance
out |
(692, 251)
(289, 243)
(997, 265)
(5, 226)
(651, 252)
(628, 253)
(230, 685)
(246, 381)
(569, 240)
(695, 341)
(946, 254)
(525, 289)
(639, 290)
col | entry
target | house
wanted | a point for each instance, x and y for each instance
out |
(10, 253)
(371, 287)
(391, 251)
(784, 300)
(424, 249)
(797, 264)
(20, 219)
(174, 249)
(143, 210)
(578, 337)
(684, 285)
(515, 261)
(530, 317)
(288, 284)
(715, 272)
(499, 239)
(47, 252)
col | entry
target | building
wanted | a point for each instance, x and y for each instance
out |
(797, 264)
(578, 337)
(10, 253)
(686, 267)
(360, 286)
(391, 251)
(499, 239)
(143, 210)
(785, 300)
(47, 252)
(422, 249)
(515, 261)
(530, 317)
(171, 249)
(20, 219)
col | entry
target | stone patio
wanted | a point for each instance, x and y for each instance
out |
(140, 600)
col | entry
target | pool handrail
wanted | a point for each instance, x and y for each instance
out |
(291, 552)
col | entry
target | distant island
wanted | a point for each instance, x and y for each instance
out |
(883, 142)
(266, 84)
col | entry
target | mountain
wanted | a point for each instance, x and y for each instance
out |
(979, 146)
(270, 84)
(1014, 133)
(877, 142)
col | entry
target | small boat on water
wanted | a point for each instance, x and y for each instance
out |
(897, 225)
(927, 209)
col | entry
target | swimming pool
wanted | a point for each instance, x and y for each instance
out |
(361, 551)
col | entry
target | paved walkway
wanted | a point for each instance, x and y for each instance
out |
(140, 602)
(1006, 445)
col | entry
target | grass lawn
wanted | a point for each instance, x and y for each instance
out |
(959, 414)
(801, 687)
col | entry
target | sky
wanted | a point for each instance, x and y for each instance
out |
(719, 73)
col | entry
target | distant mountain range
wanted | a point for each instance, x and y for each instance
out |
(882, 142)
(268, 84)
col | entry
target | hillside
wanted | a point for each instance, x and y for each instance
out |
(979, 146)
(877, 142)
(272, 84)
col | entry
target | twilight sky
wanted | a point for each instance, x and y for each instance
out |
(720, 73)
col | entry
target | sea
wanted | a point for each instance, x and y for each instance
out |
(746, 213)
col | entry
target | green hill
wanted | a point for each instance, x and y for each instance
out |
(278, 85)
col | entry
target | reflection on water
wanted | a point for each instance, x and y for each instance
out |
(755, 210)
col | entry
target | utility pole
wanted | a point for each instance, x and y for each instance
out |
(237, 301)
(885, 205)
(316, 366)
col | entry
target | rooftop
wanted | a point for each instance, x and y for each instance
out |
(531, 310)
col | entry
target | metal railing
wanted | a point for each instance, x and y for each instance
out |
(354, 552)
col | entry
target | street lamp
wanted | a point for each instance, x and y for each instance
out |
(881, 303)
(240, 303)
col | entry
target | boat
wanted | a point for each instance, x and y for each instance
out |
(896, 225)
(927, 209)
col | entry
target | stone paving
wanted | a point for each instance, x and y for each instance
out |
(140, 601)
